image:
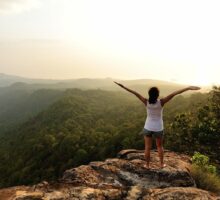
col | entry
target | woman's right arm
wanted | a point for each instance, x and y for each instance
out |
(143, 99)
(170, 96)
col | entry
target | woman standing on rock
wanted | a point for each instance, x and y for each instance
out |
(154, 121)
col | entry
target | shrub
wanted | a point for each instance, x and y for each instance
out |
(202, 161)
(204, 174)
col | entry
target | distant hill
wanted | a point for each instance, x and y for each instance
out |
(16, 105)
(6, 80)
(141, 85)
(26, 98)
(83, 83)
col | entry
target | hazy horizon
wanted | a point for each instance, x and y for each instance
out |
(170, 41)
(48, 78)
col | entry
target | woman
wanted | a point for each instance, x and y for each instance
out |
(154, 122)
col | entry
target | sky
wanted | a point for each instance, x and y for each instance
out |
(176, 41)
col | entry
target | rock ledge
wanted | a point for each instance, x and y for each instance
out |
(123, 177)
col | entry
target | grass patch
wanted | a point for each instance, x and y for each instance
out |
(205, 180)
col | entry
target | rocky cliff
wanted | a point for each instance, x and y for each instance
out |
(124, 177)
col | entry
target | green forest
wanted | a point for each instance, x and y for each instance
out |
(59, 129)
(20, 101)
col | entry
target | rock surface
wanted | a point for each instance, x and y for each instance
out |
(124, 177)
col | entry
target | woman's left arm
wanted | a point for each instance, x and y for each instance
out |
(169, 97)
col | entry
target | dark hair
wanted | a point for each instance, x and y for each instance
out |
(153, 95)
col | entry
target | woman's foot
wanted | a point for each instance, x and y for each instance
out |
(163, 165)
(146, 166)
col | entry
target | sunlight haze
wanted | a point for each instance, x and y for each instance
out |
(168, 40)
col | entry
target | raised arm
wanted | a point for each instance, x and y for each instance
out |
(144, 100)
(170, 96)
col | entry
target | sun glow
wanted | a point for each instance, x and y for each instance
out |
(202, 81)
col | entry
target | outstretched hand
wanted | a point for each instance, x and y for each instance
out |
(194, 88)
(119, 84)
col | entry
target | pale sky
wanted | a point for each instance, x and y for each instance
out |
(128, 39)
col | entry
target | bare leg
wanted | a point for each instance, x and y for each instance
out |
(148, 143)
(159, 142)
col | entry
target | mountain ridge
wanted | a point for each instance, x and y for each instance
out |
(10, 79)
